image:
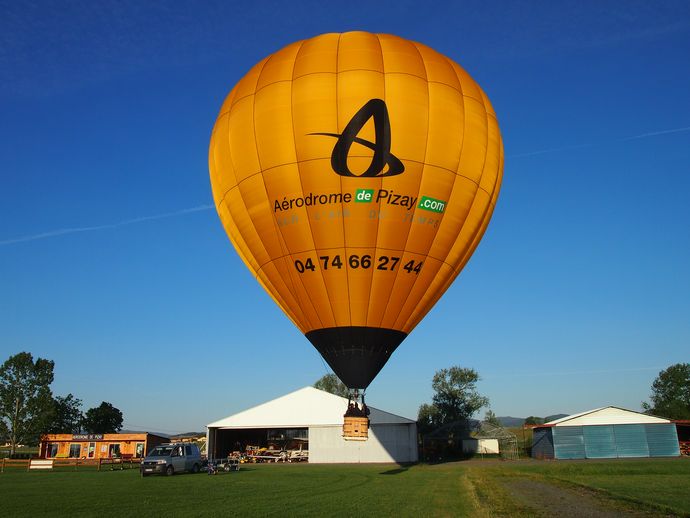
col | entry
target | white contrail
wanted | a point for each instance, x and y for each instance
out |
(64, 231)
(550, 150)
(579, 146)
(655, 133)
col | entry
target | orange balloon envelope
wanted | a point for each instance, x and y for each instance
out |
(355, 174)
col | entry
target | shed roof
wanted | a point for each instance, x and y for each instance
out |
(305, 407)
(606, 415)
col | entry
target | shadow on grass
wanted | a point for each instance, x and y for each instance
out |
(443, 460)
(230, 473)
(460, 458)
(396, 471)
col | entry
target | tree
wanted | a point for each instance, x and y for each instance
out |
(67, 416)
(455, 399)
(26, 402)
(4, 432)
(534, 420)
(331, 383)
(104, 418)
(428, 418)
(490, 418)
(456, 396)
(671, 393)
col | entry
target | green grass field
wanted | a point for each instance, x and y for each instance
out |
(662, 484)
(454, 489)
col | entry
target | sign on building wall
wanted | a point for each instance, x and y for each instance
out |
(87, 437)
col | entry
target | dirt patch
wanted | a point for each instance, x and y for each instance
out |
(553, 500)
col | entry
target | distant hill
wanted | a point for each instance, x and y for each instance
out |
(188, 434)
(515, 422)
(167, 435)
(511, 422)
(160, 434)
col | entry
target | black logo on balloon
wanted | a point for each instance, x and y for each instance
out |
(383, 157)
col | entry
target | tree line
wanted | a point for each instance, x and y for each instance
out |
(28, 408)
(456, 397)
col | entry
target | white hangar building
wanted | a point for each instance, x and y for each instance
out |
(314, 419)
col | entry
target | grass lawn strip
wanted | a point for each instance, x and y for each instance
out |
(451, 489)
(493, 498)
(266, 490)
(567, 501)
(651, 485)
(646, 497)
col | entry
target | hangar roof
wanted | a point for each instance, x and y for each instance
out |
(606, 415)
(305, 407)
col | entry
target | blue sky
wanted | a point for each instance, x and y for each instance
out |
(114, 264)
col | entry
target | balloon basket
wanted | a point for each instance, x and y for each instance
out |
(356, 428)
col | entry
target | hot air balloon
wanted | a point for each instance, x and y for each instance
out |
(355, 175)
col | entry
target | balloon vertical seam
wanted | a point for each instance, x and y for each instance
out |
(340, 179)
(409, 228)
(473, 241)
(281, 239)
(323, 277)
(454, 67)
(488, 211)
(483, 222)
(479, 233)
(378, 221)
(444, 260)
(308, 323)
(243, 256)
(421, 180)
(451, 64)
(299, 174)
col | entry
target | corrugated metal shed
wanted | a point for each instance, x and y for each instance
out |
(600, 442)
(568, 442)
(631, 440)
(605, 433)
(662, 440)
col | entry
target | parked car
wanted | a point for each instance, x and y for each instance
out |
(172, 458)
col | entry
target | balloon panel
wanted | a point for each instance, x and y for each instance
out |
(355, 174)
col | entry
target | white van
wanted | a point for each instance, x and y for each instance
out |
(172, 458)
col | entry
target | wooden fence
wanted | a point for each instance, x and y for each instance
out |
(99, 464)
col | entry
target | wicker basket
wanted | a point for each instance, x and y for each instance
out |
(356, 428)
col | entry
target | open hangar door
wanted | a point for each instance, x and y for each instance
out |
(224, 441)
